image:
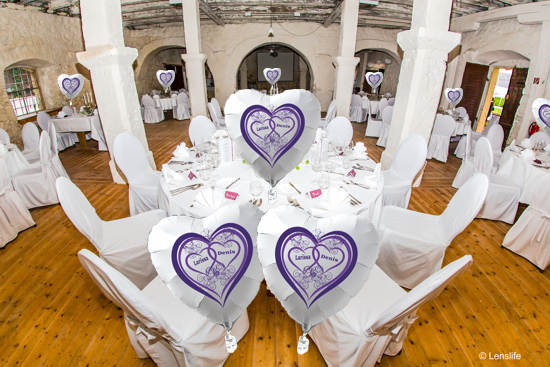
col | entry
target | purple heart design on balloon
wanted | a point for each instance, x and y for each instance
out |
(272, 133)
(165, 77)
(544, 114)
(313, 265)
(374, 78)
(70, 85)
(454, 95)
(272, 76)
(213, 265)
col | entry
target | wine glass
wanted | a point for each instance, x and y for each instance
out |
(255, 188)
(205, 173)
(323, 179)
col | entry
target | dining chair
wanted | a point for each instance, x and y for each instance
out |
(409, 159)
(67, 110)
(466, 169)
(56, 162)
(131, 158)
(213, 115)
(340, 128)
(441, 136)
(377, 320)
(374, 125)
(540, 137)
(64, 140)
(381, 106)
(181, 110)
(385, 131)
(159, 325)
(461, 147)
(4, 136)
(31, 142)
(391, 101)
(356, 109)
(413, 244)
(331, 113)
(151, 114)
(218, 111)
(201, 128)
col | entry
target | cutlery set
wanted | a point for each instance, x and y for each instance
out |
(184, 189)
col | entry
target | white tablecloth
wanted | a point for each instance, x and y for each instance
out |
(373, 106)
(461, 128)
(15, 161)
(523, 173)
(371, 200)
(166, 103)
(82, 124)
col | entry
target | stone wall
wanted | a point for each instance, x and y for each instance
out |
(150, 81)
(391, 71)
(46, 43)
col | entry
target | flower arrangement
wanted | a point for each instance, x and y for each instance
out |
(87, 110)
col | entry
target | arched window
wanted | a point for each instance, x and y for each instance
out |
(23, 91)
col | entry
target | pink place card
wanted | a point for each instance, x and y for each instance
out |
(231, 195)
(315, 193)
(192, 175)
(351, 173)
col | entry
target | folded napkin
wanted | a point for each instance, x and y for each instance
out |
(3, 150)
(170, 175)
(526, 143)
(527, 155)
(209, 200)
(181, 151)
(359, 148)
(372, 181)
(61, 114)
(333, 201)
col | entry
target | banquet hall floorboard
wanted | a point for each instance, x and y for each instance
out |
(52, 314)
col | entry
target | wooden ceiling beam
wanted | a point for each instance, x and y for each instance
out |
(335, 14)
(208, 11)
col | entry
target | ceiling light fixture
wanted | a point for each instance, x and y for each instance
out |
(271, 33)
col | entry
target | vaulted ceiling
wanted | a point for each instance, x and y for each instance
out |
(160, 13)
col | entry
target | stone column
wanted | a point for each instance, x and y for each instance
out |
(303, 73)
(194, 58)
(244, 75)
(426, 47)
(110, 65)
(362, 70)
(345, 61)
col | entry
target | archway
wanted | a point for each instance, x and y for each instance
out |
(378, 60)
(296, 72)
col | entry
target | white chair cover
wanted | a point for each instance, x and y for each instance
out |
(151, 114)
(331, 113)
(466, 169)
(374, 126)
(502, 198)
(461, 147)
(155, 92)
(158, 324)
(356, 109)
(218, 112)
(496, 137)
(31, 138)
(381, 106)
(388, 95)
(340, 129)
(4, 136)
(201, 128)
(530, 236)
(376, 321)
(42, 119)
(441, 136)
(540, 136)
(67, 111)
(14, 216)
(213, 115)
(55, 156)
(64, 140)
(36, 186)
(409, 159)
(391, 101)
(412, 244)
(462, 112)
(181, 110)
(121, 243)
(385, 131)
(132, 160)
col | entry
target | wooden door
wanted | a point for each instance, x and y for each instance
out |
(513, 97)
(178, 81)
(473, 84)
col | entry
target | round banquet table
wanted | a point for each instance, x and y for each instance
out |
(80, 124)
(166, 103)
(373, 106)
(371, 199)
(15, 160)
(523, 173)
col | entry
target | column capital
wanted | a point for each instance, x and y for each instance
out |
(428, 39)
(194, 58)
(107, 56)
(346, 61)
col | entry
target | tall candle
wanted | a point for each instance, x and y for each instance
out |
(85, 101)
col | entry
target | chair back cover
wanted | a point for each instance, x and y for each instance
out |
(182, 99)
(410, 157)
(391, 101)
(340, 128)
(30, 136)
(331, 112)
(130, 156)
(483, 157)
(382, 105)
(496, 137)
(43, 119)
(541, 198)
(464, 206)
(493, 121)
(53, 137)
(462, 112)
(216, 106)
(388, 95)
(5, 181)
(147, 101)
(67, 111)
(356, 101)
(444, 125)
(80, 212)
(213, 114)
(200, 128)
(4, 136)
(537, 138)
(387, 115)
(156, 96)
(45, 151)
(398, 313)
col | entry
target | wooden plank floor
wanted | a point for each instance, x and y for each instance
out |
(52, 314)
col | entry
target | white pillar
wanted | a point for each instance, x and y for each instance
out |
(303, 74)
(244, 75)
(426, 47)
(110, 65)
(345, 62)
(194, 58)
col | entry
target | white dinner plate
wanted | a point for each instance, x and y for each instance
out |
(222, 183)
(286, 190)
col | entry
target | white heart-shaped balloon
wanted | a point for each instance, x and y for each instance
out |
(210, 264)
(272, 75)
(454, 95)
(70, 85)
(166, 78)
(374, 79)
(314, 266)
(272, 133)
(541, 111)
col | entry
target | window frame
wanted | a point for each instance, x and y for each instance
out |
(22, 86)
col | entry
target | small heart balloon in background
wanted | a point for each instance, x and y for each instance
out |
(541, 111)
(272, 76)
(454, 96)
(166, 78)
(210, 264)
(272, 133)
(70, 85)
(374, 80)
(314, 266)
